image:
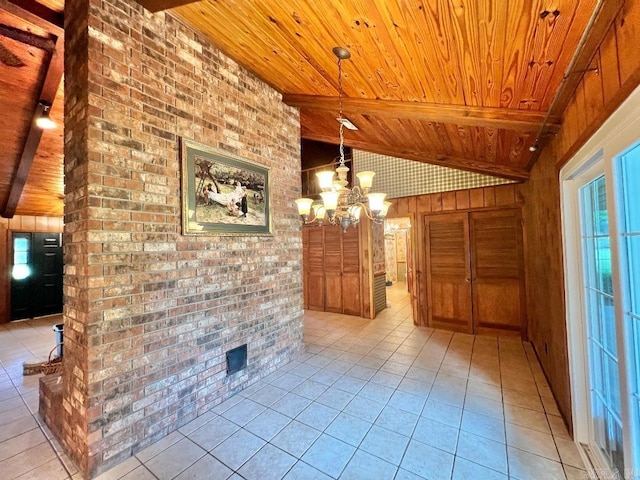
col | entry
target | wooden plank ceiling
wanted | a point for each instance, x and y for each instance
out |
(464, 83)
(31, 62)
(461, 83)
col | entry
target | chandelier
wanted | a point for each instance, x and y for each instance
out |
(341, 205)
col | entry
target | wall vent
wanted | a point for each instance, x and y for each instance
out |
(236, 359)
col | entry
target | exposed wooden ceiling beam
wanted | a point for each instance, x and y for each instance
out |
(470, 165)
(159, 5)
(42, 12)
(48, 92)
(500, 118)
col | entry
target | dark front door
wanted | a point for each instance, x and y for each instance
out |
(36, 275)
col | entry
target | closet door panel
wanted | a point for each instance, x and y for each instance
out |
(497, 270)
(333, 269)
(351, 292)
(448, 272)
(314, 284)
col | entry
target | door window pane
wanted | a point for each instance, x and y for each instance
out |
(599, 300)
(20, 269)
(628, 180)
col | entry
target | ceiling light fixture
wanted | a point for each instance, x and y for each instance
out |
(341, 204)
(43, 120)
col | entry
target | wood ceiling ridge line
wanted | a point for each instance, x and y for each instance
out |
(470, 165)
(490, 117)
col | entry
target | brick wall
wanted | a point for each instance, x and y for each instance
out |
(149, 313)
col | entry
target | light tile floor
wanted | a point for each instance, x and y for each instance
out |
(369, 399)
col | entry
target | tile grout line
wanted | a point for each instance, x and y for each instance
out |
(37, 419)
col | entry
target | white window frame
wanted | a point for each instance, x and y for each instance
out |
(596, 157)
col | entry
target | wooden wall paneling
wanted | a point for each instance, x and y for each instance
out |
(489, 194)
(351, 292)
(610, 71)
(448, 272)
(545, 278)
(448, 201)
(436, 202)
(627, 35)
(505, 195)
(332, 269)
(402, 206)
(41, 224)
(476, 198)
(593, 91)
(581, 109)
(315, 277)
(413, 205)
(497, 271)
(423, 203)
(462, 199)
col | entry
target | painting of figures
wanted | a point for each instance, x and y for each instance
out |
(222, 194)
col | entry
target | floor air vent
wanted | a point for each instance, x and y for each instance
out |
(236, 359)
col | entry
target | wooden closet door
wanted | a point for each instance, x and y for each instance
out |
(333, 269)
(497, 271)
(448, 271)
(351, 297)
(314, 285)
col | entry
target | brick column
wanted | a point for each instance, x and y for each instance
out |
(149, 313)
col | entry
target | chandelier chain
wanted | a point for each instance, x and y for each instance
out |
(340, 112)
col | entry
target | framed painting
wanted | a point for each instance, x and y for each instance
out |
(223, 194)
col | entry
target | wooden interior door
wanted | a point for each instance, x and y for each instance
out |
(497, 271)
(449, 302)
(351, 292)
(314, 284)
(332, 269)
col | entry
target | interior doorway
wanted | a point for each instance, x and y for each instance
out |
(400, 259)
(36, 274)
(397, 250)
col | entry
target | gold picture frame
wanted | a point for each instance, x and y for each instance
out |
(223, 194)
